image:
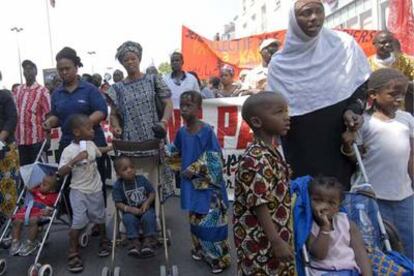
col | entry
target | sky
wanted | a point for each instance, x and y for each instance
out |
(101, 26)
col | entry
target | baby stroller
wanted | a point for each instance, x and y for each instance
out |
(32, 175)
(361, 207)
(165, 190)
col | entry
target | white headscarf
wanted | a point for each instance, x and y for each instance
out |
(316, 72)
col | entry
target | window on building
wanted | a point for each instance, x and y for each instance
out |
(251, 2)
(244, 25)
(277, 5)
(365, 20)
(264, 18)
(352, 23)
(253, 17)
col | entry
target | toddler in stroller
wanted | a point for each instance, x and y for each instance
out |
(134, 196)
(335, 242)
(43, 198)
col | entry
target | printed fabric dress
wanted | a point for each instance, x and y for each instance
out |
(262, 178)
(9, 177)
(204, 196)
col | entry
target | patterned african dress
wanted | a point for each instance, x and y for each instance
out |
(204, 195)
(262, 178)
(9, 176)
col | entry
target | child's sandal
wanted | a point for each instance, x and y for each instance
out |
(75, 263)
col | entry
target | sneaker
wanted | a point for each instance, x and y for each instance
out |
(134, 249)
(104, 249)
(216, 269)
(28, 248)
(147, 250)
(196, 255)
(15, 248)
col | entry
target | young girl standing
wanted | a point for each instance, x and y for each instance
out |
(335, 243)
(203, 192)
(387, 136)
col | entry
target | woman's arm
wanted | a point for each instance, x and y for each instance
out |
(355, 107)
(361, 255)
(115, 122)
(167, 110)
(97, 117)
(411, 162)
(10, 111)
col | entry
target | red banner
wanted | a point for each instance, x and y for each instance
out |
(206, 57)
(401, 23)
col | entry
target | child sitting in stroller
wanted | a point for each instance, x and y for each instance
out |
(335, 243)
(44, 196)
(134, 197)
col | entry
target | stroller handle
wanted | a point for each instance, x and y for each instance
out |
(360, 163)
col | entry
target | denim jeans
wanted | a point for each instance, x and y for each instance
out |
(133, 224)
(400, 214)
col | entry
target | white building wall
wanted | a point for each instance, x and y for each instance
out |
(358, 14)
(260, 16)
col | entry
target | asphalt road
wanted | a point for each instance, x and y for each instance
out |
(55, 252)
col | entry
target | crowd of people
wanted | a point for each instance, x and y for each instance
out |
(310, 102)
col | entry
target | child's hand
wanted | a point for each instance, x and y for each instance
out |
(136, 211)
(187, 174)
(144, 207)
(321, 217)
(81, 156)
(117, 131)
(282, 251)
(352, 120)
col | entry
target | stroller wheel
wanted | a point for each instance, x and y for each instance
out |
(106, 271)
(163, 270)
(84, 240)
(117, 271)
(3, 266)
(33, 270)
(174, 270)
(46, 270)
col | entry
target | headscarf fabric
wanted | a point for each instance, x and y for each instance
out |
(227, 68)
(128, 46)
(316, 72)
(301, 3)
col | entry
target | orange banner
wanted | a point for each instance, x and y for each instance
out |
(206, 57)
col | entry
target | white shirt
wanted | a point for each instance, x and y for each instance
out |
(85, 175)
(256, 78)
(388, 150)
(189, 82)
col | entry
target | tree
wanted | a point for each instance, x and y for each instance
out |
(164, 68)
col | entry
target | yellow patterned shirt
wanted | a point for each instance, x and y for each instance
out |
(403, 62)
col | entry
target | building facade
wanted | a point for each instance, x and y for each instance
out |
(357, 14)
(261, 16)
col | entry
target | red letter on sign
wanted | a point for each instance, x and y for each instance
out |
(245, 136)
(229, 129)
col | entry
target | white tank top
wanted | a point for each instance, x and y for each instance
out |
(340, 253)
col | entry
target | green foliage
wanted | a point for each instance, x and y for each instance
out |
(164, 68)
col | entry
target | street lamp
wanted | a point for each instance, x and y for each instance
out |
(18, 30)
(91, 53)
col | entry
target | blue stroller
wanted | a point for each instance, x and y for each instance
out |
(360, 204)
(32, 175)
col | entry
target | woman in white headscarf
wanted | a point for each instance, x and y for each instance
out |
(322, 73)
